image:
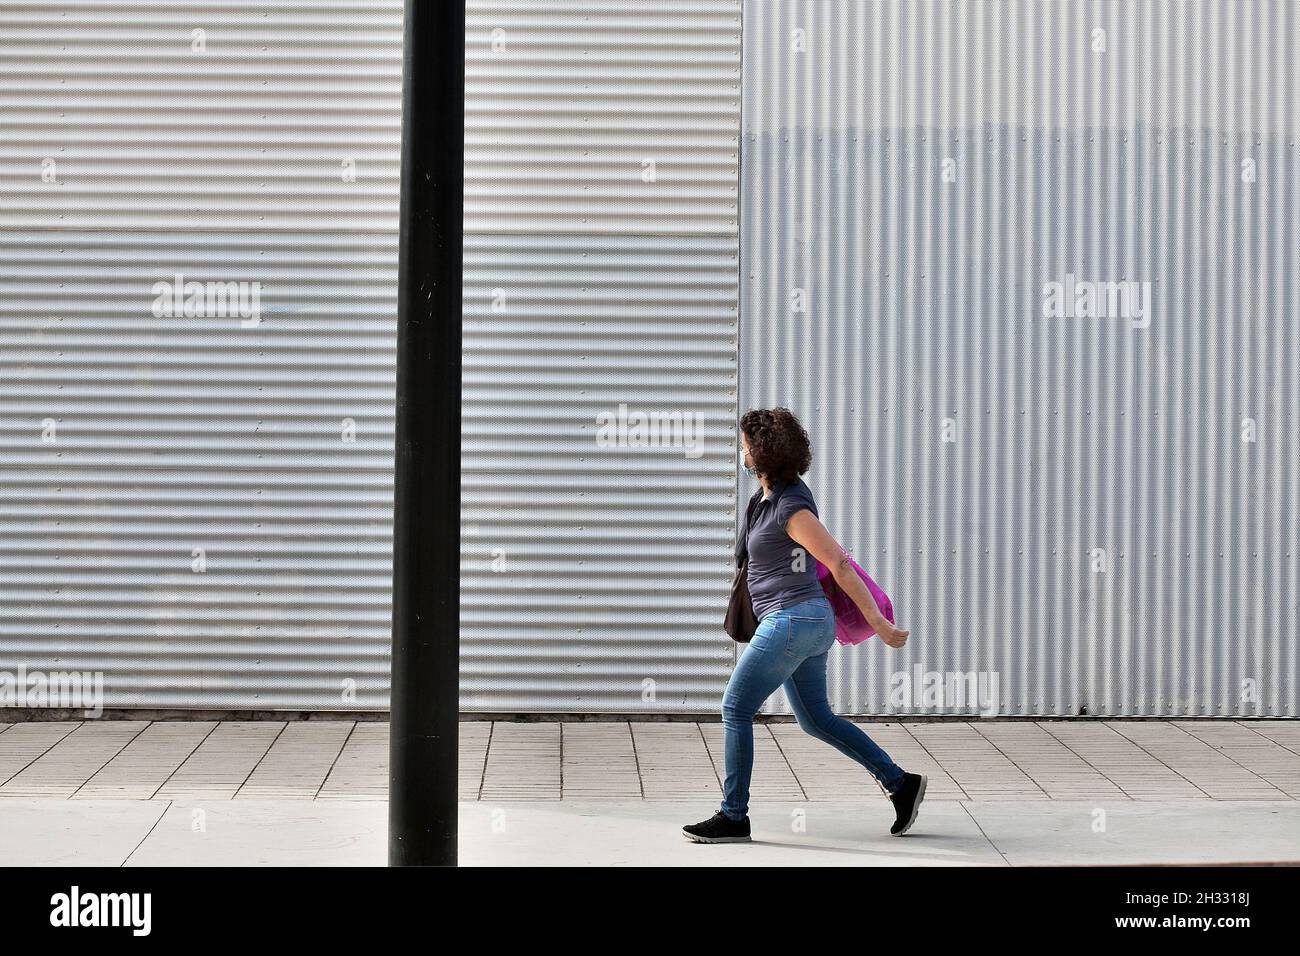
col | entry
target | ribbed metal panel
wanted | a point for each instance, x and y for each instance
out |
(1113, 155)
(600, 270)
(223, 156)
(204, 117)
(265, 149)
(598, 116)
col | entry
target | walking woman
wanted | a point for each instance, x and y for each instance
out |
(796, 629)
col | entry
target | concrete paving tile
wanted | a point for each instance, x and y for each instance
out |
(1285, 733)
(675, 760)
(23, 742)
(361, 770)
(1272, 762)
(298, 761)
(1207, 768)
(599, 761)
(147, 762)
(1137, 773)
(1055, 769)
(267, 833)
(1134, 832)
(970, 759)
(223, 762)
(523, 762)
(62, 769)
(44, 832)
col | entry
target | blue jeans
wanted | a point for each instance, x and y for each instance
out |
(790, 648)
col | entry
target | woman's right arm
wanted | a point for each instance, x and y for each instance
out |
(805, 529)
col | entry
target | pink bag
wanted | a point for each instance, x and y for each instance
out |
(850, 626)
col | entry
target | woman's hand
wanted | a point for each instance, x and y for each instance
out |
(891, 635)
(804, 528)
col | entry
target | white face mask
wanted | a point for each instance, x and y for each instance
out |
(747, 469)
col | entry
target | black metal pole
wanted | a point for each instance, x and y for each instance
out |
(425, 694)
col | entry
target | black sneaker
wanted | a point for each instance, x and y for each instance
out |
(719, 828)
(907, 800)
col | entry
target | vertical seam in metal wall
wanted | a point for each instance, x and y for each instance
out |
(740, 285)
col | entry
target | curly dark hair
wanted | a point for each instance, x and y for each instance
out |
(778, 444)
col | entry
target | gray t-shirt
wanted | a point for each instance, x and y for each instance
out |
(781, 571)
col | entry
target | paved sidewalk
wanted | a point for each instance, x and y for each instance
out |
(1002, 793)
(1113, 760)
(326, 832)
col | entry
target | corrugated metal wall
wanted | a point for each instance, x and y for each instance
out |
(200, 506)
(1096, 512)
(1099, 513)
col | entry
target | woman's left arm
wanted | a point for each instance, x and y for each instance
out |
(806, 530)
